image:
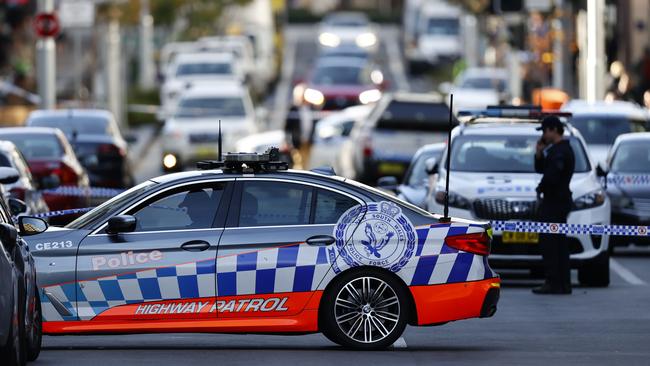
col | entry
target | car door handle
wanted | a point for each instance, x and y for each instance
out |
(195, 245)
(321, 240)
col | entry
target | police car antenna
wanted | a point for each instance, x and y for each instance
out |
(219, 147)
(445, 217)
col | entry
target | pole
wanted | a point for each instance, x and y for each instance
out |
(558, 47)
(113, 76)
(46, 62)
(595, 50)
(146, 72)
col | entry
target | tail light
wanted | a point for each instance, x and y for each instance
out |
(110, 149)
(475, 243)
(367, 147)
(17, 192)
(67, 175)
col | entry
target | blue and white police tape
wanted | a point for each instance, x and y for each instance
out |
(562, 228)
(73, 191)
(628, 179)
(61, 212)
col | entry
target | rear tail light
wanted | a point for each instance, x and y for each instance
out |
(17, 192)
(109, 149)
(67, 175)
(475, 243)
(367, 147)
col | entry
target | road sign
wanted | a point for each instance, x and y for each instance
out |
(46, 25)
(77, 13)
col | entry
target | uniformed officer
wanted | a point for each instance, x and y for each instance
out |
(555, 160)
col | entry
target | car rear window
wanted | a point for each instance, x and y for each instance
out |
(604, 130)
(415, 116)
(36, 146)
(211, 107)
(204, 69)
(75, 124)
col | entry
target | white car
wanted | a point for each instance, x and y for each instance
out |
(493, 177)
(241, 48)
(435, 36)
(188, 69)
(331, 132)
(348, 29)
(192, 134)
(601, 122)
(478, 87)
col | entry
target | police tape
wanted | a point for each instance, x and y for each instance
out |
(563, 228)
(625, 179)
(61, 212)
(74, 191)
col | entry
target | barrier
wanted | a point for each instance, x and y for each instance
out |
(74, 191)
(562, 228)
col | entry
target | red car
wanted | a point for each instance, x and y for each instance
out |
(52, 163)
(340, 82)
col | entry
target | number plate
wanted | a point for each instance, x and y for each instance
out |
(206, 152)
(519, 238)
(391, 168)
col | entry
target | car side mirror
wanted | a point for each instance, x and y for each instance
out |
(16, 206)
(8, 175)
(121, 224)
(50, 182)
(600, 171)
(388, 183)
(431, 166)
(8, 235)
(31, 225)
(130, 138)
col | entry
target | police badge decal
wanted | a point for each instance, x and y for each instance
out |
(383, 237)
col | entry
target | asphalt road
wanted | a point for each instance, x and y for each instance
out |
(594, 326)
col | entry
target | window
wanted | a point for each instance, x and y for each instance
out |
(193, 208)
(211, 107)
(36, 145)
(274, 203)
(598, 129)
(82, 125)
(632, 157)
(330, 206)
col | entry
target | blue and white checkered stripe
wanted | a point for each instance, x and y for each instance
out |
(74, 191)
(562, 228)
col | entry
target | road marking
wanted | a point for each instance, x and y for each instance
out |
(395, 60)
(624, 273)
(399, 343)
(282, 91)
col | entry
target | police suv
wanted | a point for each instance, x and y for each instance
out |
(492, 177)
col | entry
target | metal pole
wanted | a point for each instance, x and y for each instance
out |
(113, 69)
(146, 72)
(46, 62)
(595, 50)
(558, 47)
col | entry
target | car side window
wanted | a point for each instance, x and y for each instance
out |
(330, 206)
(266, 203)
(191, 208)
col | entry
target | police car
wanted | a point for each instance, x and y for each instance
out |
(492, 177)
(245, 246)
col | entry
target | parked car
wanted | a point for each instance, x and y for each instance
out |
(20, 306)
(262, 141)
(478, 87)
(602, 122)
(385, 142)
(96, 140)
(53, 163)
(628, 184)
(25, 188)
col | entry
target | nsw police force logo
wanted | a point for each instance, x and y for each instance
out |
(384, 237)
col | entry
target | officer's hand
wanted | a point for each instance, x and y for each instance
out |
(540, 147)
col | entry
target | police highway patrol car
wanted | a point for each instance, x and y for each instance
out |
(245, 246)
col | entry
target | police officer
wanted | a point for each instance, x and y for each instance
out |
(555, 160)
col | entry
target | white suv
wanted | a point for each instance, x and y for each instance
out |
(192, 134)
(493, 178)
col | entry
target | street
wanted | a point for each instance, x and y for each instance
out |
(594, 326)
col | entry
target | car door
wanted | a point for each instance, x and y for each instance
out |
(165, 269)
(273, 253)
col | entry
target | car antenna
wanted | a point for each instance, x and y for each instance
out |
(445, 217)
(219, 147)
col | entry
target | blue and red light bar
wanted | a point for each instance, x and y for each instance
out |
(509, 111)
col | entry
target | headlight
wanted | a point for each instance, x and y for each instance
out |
(169, 161)
(366, 40)
(369, 96)
(329, 39)
(314, 97)
(455, 200)
(326, 132)
(589, 200)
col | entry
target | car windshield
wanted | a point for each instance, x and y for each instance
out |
(417, 174)
(415, 116)
(443, 26)
(82, 125)
(211, 107)
(632, 157)
(99, 213)
(603, 130)
(484, 83)
(337, 75)
(37, 145)
(504, 154)
(346, 21)
(213, 68)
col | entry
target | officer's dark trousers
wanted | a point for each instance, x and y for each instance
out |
(554, 247)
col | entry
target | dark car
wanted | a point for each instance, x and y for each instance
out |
(20, 308)
(52, 163)
(96, 140)
(340, 82)
(25, 188)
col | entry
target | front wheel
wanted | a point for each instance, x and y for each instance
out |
(365, 309)
(35, 333)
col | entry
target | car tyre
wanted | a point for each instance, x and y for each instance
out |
(14, 349)
(365, 309)
(595, 272)
(34, 337)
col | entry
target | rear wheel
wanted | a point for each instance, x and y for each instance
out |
(595, 272)
(365, 310)
(35, 333)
